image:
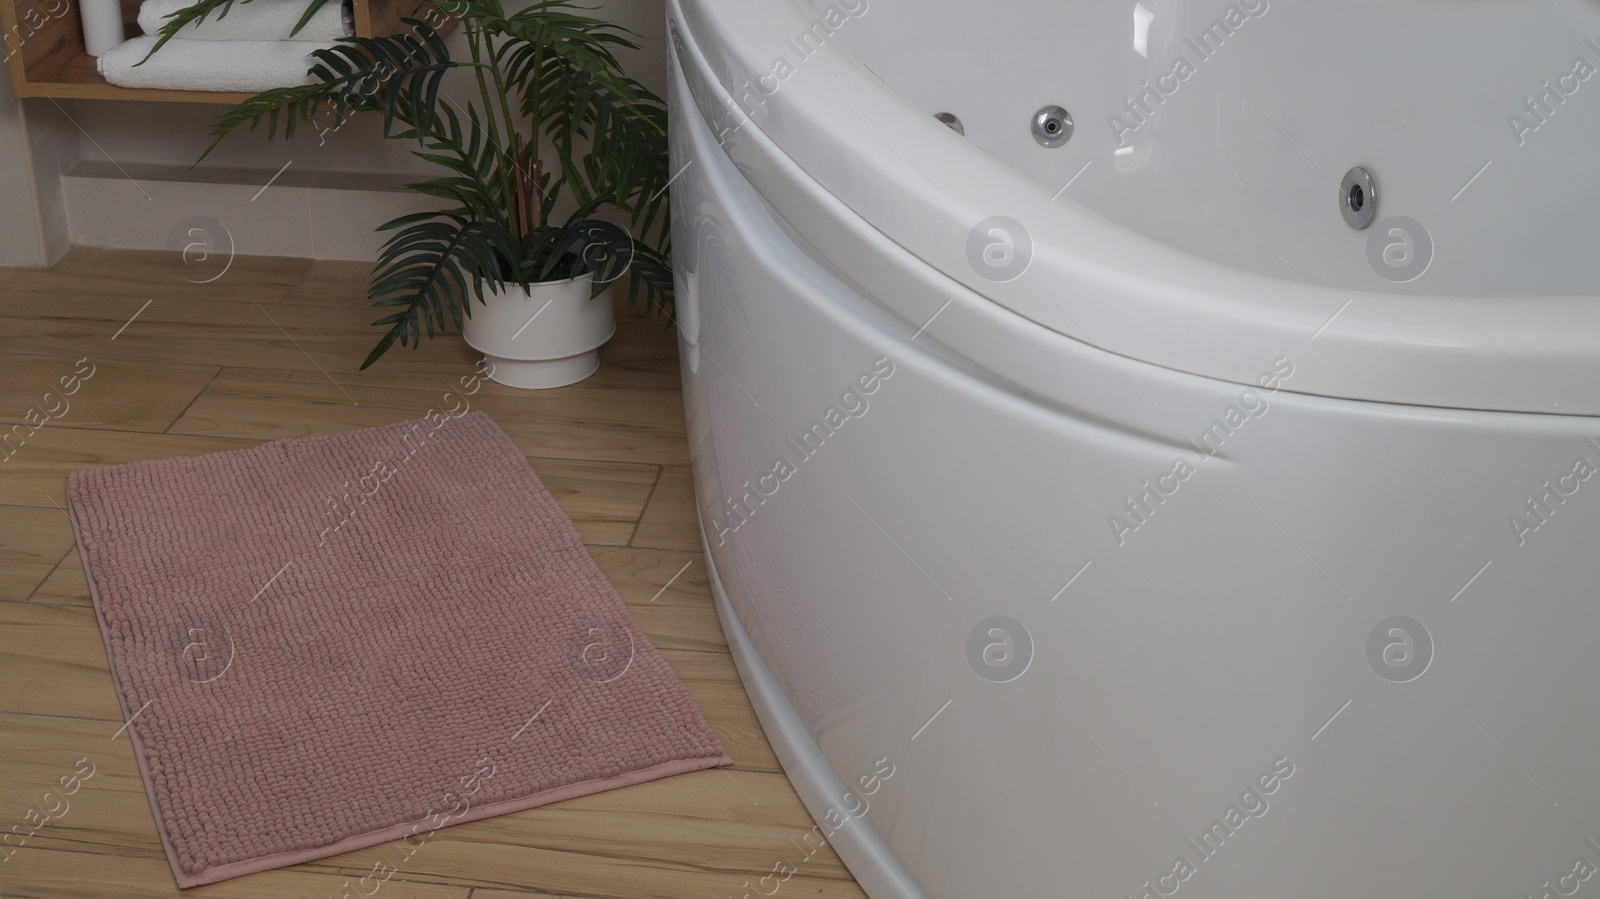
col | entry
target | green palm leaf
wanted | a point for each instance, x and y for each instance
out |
(431, 268)
(400, 72)
(546, 71)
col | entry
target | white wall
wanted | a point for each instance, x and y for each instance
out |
(36, 144)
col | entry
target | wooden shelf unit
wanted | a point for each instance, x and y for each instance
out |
(43, 43)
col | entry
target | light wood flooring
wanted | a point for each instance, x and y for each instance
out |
(271, 350)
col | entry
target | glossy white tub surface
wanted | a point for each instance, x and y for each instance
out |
(1198, 524)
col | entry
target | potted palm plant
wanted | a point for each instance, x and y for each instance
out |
(553, 116)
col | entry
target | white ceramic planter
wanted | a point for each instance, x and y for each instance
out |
(547, 336)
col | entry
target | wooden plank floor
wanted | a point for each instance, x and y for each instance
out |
(271, 350)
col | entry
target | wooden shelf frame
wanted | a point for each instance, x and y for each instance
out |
(43, 44)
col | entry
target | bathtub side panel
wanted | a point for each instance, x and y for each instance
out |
(1252, 641)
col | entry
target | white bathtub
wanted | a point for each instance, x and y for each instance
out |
(1114, 518)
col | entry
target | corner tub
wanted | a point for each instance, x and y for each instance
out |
(1121, 515)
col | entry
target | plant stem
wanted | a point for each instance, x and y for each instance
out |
(506, 186)
(536, 90)
(514, 137)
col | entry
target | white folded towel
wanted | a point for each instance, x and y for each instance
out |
(256, 20)
(251, 66)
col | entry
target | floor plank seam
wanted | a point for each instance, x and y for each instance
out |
(299, 279)
(49, 574)
(105, 854)
(311, 868)
(82, 605)
(194, 399)
(66, 717)
(649, 498)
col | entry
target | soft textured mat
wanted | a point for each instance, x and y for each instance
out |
(328, 643)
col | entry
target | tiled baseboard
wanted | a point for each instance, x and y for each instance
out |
(305, 214)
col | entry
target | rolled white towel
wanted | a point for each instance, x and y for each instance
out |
(257, 20)
(251, 66)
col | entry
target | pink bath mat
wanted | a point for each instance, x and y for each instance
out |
(329, 643)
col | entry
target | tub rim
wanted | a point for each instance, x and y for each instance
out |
(1096, 282)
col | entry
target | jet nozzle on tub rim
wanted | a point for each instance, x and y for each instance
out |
(1358, 198)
